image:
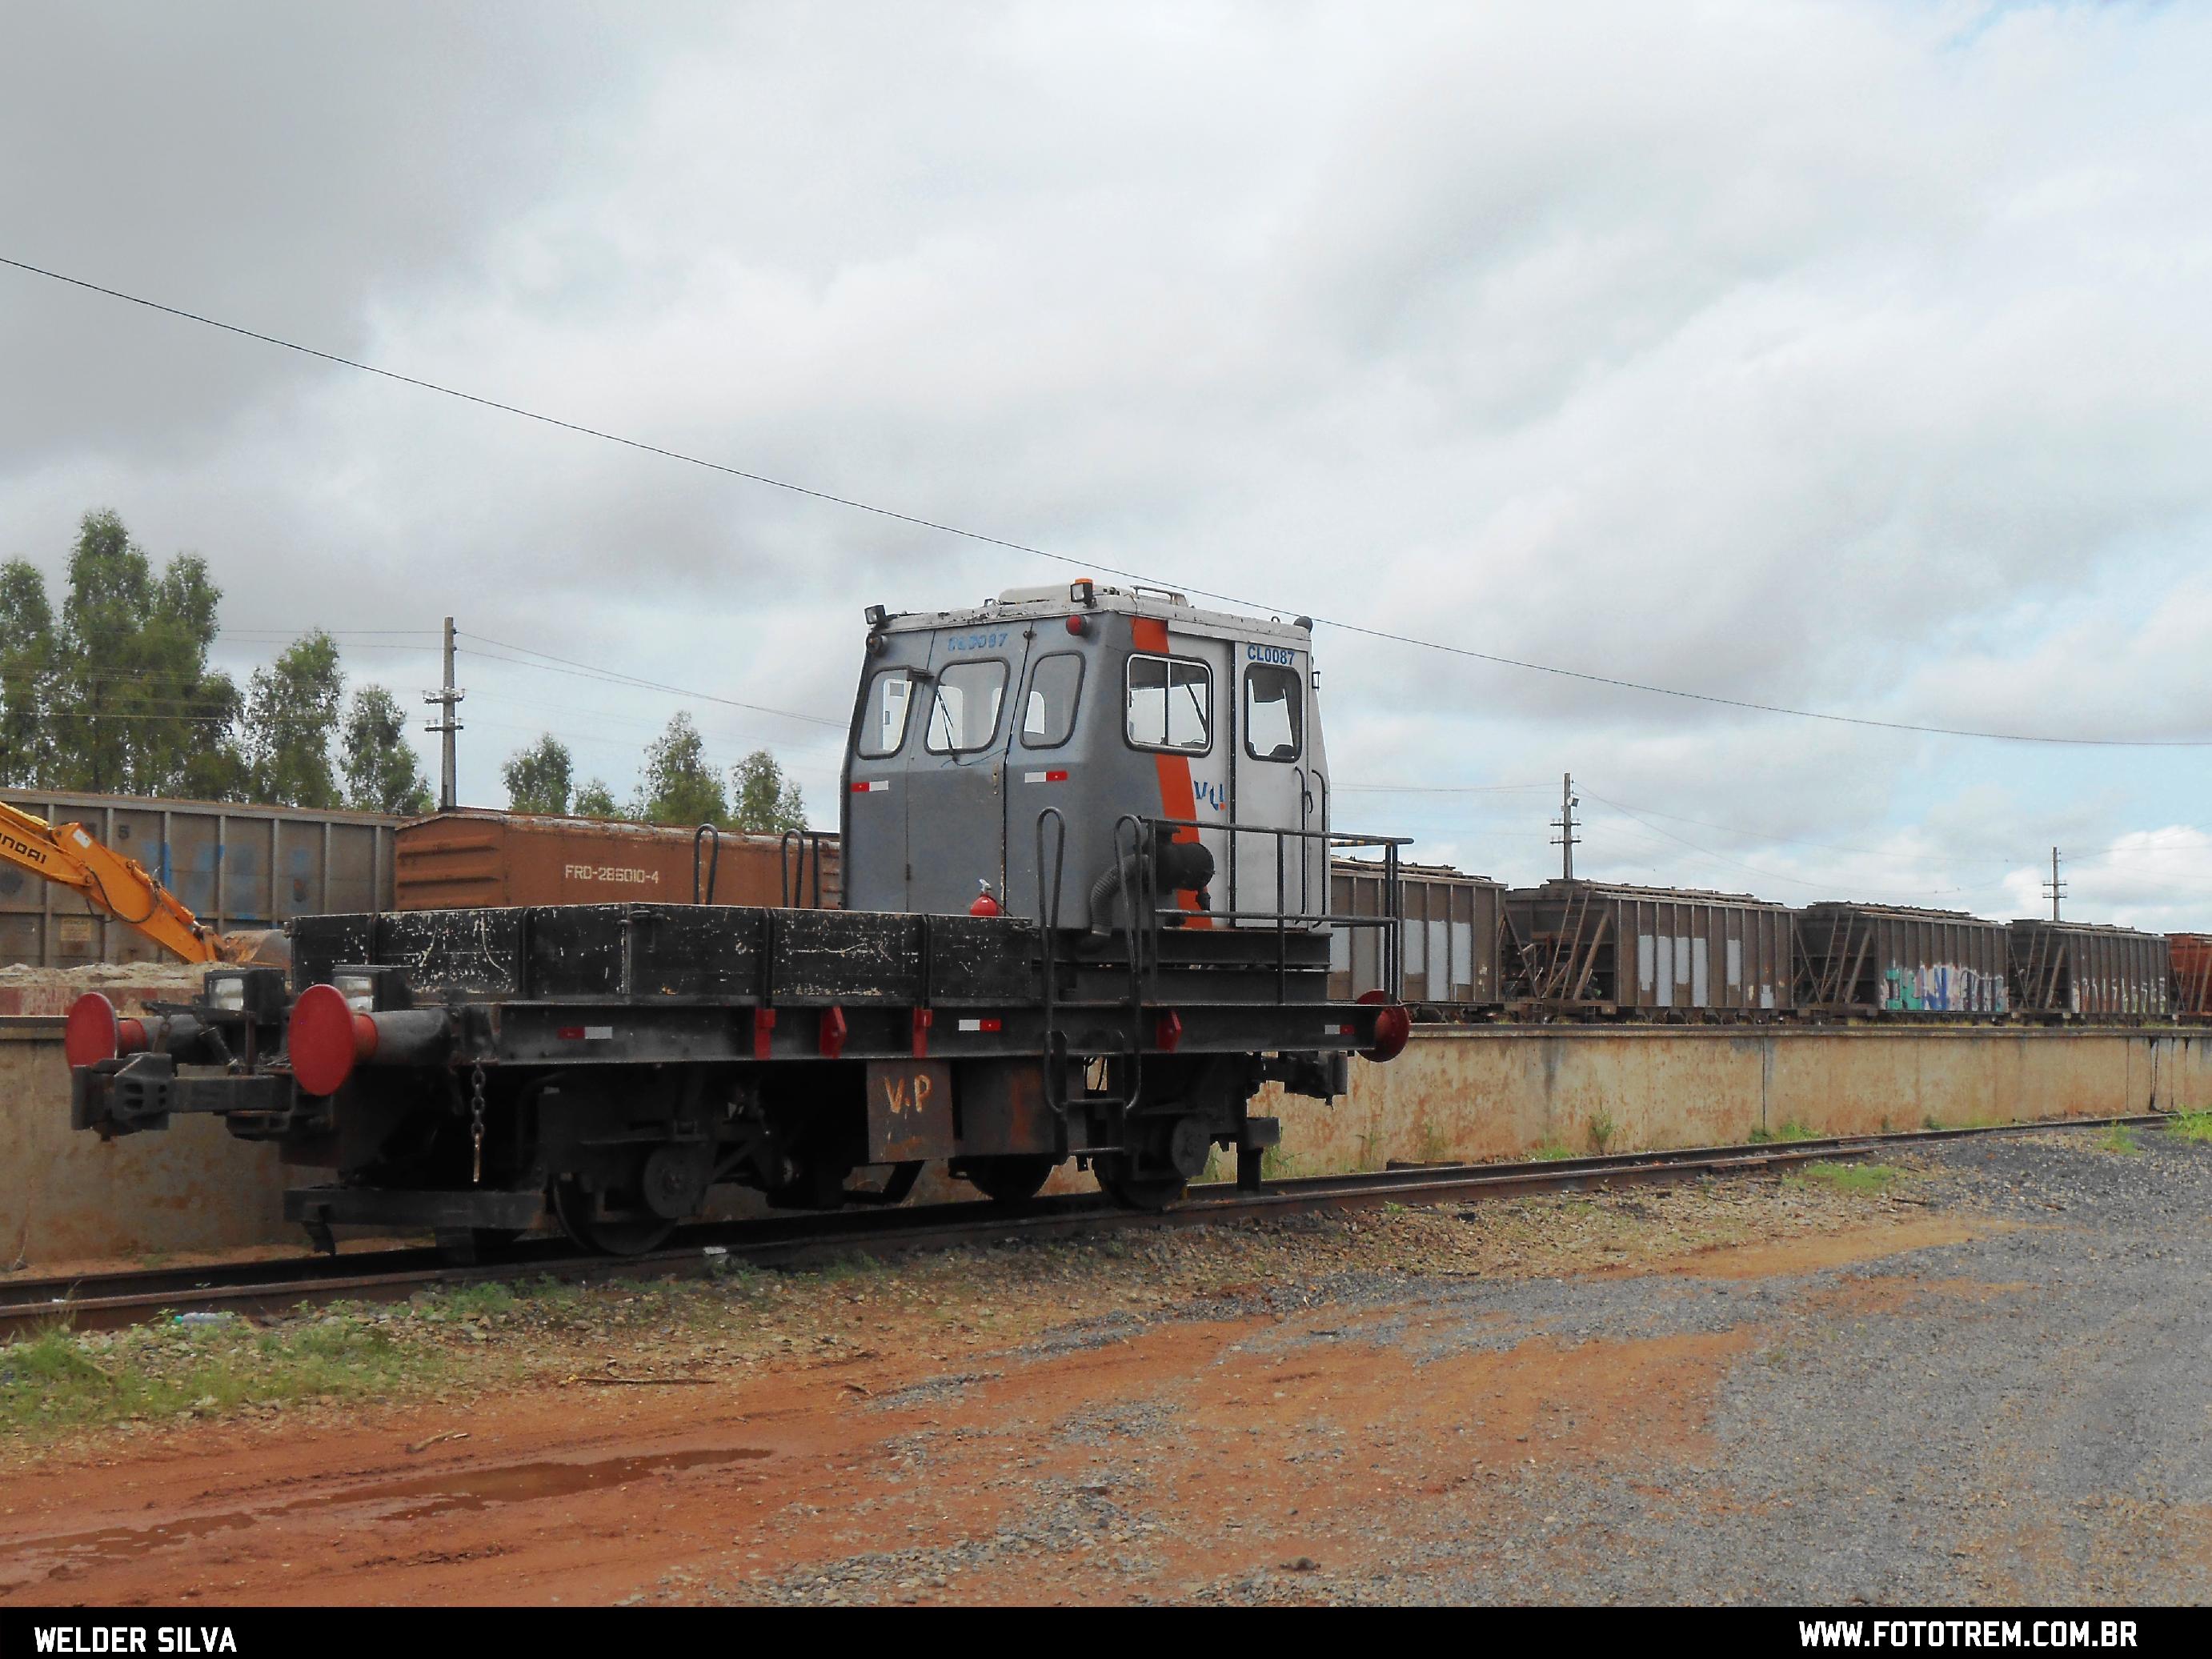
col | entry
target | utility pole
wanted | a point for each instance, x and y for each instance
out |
(2054, 886)
(1564, 823)
(447, 698)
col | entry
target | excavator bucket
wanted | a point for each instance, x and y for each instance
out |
(262, 947)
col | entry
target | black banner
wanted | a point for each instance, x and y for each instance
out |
(252, 1633)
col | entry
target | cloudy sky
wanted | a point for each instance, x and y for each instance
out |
(1849, 358)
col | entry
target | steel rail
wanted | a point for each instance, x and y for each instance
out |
(111, 1300)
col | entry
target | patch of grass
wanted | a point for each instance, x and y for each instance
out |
(1551, 1152)
(1793, 1130)
(59, 1380)
(849, 1264)
(1277, 1164)
(1759, 1137)
(736, 1276)
(1931, 1122)
(549, 1298)
(1601, 1130)
(465, 1302)
(2191, 1125)
(1436, 1145)
(2117, 1138)
(1853, 1178)
(1371, 1149)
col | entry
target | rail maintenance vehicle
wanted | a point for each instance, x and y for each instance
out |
(1087, 834)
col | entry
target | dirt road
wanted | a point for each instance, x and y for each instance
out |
(1986, 1382)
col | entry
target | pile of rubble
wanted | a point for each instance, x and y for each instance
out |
(129, 985)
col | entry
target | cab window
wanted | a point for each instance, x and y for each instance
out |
(1274, 723)
(1170, 704)
(1048, 711)
(883, 723)
(966, 713)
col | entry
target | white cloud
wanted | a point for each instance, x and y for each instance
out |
(1843, 357)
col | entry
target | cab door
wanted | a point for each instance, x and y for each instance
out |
(1050, 763)
(955, 775)
(1174, 712)
(886, 726)
(1273, 763)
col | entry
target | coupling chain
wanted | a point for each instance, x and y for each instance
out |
(475, 1124)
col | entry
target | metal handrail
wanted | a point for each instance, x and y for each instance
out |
(804, 840)
(1142, 914)
(1056, 1041)
(714, 862)
(1055, 1044)
(1281, 916)
(1332, 840)
(1137, 936)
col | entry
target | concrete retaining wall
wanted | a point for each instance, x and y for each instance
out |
(1480, 1093)
(1473, 1092)
(69, 1197)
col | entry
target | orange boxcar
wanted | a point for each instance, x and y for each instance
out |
(467, 859)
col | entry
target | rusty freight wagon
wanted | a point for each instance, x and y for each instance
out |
(1126, 796)
(237, 867)
(1449, 941)
(2076, 970)
(1876, 959)
(1596, 948)
(2191, 955)
(465, 858)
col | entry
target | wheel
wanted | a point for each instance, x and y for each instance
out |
(578, 1211)
(1151, 1190)
(1010, 1178)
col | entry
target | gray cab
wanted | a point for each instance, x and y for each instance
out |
(1099, 704)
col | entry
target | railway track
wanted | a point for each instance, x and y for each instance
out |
(106, 1301)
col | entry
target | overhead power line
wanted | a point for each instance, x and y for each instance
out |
(587, 671)
(1089, 564)
(1434, 788)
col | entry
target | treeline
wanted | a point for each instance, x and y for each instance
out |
(113, 695)
(676, 784)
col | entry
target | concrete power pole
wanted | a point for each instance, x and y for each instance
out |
(1564, 823)
(448, 699)
(2054, 886)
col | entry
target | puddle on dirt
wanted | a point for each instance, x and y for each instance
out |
(442, 1493)
(519, 1483)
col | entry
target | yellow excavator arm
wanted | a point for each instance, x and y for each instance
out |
(120, 887)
